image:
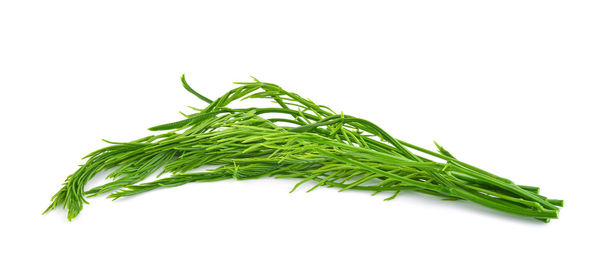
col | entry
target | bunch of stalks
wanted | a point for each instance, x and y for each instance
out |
(298, 139)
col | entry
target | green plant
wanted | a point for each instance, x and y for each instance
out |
(295, 139)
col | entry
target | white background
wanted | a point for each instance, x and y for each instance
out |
(510, 86)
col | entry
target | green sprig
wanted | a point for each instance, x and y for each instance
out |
(332, 150)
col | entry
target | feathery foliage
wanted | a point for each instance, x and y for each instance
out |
(296, 138)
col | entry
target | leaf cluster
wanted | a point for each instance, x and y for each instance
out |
(296, 138)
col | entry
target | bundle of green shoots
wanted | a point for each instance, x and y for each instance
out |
(296, 138)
